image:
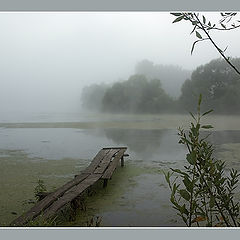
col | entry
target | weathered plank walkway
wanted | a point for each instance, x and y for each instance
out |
(101, 167)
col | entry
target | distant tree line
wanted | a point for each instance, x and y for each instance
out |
(216, 81)
(137, 95)
(168, 74)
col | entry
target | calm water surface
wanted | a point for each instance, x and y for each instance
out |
(138, 194)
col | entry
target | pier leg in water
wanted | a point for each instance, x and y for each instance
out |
(122, 161)
(105, 182)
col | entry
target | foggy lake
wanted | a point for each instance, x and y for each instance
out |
(136, 196)
(75, 82)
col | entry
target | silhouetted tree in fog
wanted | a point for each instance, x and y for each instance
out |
(219, 84)
(137, 95)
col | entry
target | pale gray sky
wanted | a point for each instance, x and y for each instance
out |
(47, 57)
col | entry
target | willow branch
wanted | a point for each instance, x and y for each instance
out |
(215, 45)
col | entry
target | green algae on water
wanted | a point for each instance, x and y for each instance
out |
(19, 175)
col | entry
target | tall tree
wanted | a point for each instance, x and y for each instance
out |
(218, 83)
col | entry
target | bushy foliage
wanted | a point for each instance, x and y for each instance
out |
(137, 95)
(219, 84)
(216, 80)
(203, 193)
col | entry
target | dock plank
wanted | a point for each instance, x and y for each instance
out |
(96, 161)
(71, 194)
(102, 166)
(106, 161)
(115, 148)
(109, 171)
(47, 201)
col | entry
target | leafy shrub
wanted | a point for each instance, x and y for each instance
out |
(204, 192)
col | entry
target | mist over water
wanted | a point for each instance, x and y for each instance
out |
(73, 83)
(47, 58)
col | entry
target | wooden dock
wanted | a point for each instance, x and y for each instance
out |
(101, 167)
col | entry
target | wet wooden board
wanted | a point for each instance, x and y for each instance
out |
(96, 161)
(71, 194)
(109, 171)
(115, 148)
(47, 201)
(106, 161)
(102, 166)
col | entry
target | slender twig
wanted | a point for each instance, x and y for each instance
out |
(226, 206)
(215, 45)
(191, 197)
(224, 29)
(211, 194)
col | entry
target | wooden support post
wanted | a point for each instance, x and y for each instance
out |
(73, 211)
(105, 181)
(74, 204)
(122, 161)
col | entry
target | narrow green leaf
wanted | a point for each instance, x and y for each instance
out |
(194, 46)
(198, 35)
(193, 29)
(192, 116)
(223, 26)
(188, 184)
(207, 126)
(191, 157)
(176, 14)
(178, 19)
(183, 210)
(179, 171)
(194, 23)
(204, 19)
(175, 187)
(172, 199)
(207, 112)
(184, 194)
(167, 177)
